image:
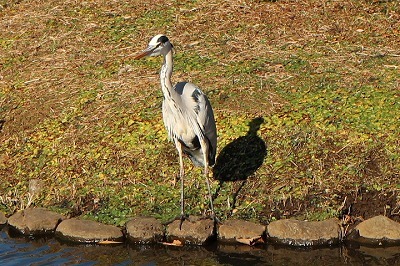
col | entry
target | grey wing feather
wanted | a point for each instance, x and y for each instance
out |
(206, 118)
(199, 118)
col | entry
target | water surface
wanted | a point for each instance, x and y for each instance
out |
(49, 251)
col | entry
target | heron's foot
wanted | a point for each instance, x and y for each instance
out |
(213, 217)
(183, 217)
(216, 220)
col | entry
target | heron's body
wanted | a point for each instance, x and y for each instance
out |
(186, 125)
(187, 115)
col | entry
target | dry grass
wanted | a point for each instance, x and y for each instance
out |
(81, 115)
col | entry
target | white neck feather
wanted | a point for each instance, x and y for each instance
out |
(165, 75)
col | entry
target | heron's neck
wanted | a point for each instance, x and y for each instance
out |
(165, 75)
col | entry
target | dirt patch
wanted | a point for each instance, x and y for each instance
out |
(365, 204)
(356, 206)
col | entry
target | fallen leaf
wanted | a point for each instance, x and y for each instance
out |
(175, 242)
(250, 241)
(109, 242)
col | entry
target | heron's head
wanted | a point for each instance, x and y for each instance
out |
(158, 45)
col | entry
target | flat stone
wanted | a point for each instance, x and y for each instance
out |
(85, 231)
(195, 231)
(379, 228)
(3, 218)
(304, 233)
(145, 230)
(240, 231)
(35, 221)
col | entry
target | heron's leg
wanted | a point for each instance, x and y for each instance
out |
(181, 174)
(209, 190)
(205, 154)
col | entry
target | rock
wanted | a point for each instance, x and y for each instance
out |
(195, 231)
(377, 230)
(145, 230)
(3, 219)
(85, 231)
(304, 233)
(241, 231)
(35, 221)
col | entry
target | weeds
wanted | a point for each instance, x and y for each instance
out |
(78, 114)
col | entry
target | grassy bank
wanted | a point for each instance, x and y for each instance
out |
(81, 127)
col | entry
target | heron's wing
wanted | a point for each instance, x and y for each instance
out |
(198, 110)
(205, 118)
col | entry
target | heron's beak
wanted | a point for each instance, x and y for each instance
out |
(146, 52)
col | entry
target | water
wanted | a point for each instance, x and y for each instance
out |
(27, 251)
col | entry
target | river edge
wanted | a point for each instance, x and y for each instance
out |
(377, 231)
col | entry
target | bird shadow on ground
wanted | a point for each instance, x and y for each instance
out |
(239, 160)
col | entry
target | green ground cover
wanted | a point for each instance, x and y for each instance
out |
(80, 121)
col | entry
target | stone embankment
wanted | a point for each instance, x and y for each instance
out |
(378, 230)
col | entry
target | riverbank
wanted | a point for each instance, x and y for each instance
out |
(22, 250)
(378, 231)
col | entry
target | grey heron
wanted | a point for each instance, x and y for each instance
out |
(187, 115)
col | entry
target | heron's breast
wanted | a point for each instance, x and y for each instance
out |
(176, 123)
